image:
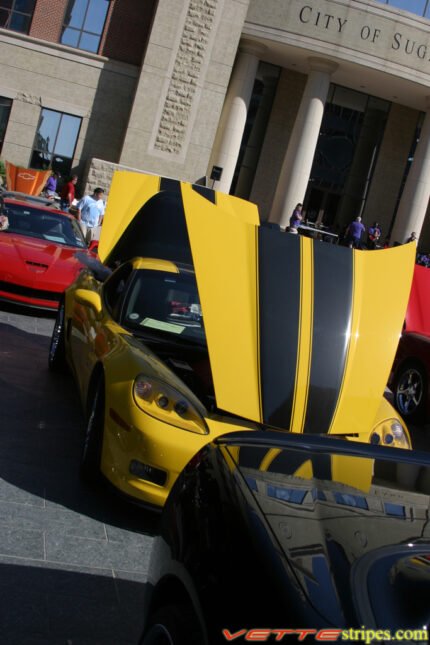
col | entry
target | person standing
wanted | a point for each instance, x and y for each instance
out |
(296, 218)
(51, 185)
(4, 221)
(91, 210)
(373, 236)
(67, 193)
(412, 238)
(354, 233)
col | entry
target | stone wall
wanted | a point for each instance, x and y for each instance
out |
(182, 86)
(186, 75)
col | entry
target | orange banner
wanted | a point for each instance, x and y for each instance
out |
(26, 180)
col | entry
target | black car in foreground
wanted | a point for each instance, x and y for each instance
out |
(281, 538)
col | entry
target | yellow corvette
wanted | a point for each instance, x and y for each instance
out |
(203, 322)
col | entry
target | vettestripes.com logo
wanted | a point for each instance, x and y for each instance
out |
(362, 635)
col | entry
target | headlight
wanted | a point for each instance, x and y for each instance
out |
(391, 433)
(164, 402)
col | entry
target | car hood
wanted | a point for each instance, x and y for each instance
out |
(21, 255)
(301, 334)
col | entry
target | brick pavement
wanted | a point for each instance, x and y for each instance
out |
(73, 561)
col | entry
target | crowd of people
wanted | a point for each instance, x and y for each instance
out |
(355, 235)
(89, 210)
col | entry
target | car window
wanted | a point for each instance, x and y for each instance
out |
(115, 288)
(52, 227)
(165, 304)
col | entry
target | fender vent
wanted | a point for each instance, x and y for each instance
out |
(37, 264)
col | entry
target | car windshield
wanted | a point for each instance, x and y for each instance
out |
(35, 222)
(164, 304)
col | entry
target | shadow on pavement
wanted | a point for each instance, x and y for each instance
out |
(73, 560)
(42, 431)
(42, 604)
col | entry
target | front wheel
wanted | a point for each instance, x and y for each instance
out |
(173, 625)
(92, 448)
(57, 348)
(410, 391)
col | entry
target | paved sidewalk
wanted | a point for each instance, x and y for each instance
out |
(73, 561)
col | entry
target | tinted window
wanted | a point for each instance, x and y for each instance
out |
(83, 24)
(55, 142)
(16, 14)
(43, 225)
(5, 107)
(165, 304)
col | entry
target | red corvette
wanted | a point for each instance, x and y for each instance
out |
(38, 248)
(410, 376)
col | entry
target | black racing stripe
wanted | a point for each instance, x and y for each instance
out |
(171, 185)
(205, 192)
(279, 299)
(333, 284)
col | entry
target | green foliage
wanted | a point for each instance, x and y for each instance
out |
(3, 172)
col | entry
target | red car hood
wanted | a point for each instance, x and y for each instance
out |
(28, 259)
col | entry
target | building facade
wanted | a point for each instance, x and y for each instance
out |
(282, 101)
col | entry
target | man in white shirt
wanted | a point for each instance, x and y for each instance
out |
(91, 210)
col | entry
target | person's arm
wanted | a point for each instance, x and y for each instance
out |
(102, 213)
(79, 206)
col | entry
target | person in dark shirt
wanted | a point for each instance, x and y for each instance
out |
(374, 234)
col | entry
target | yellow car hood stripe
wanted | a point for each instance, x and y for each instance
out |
(382, 281)
(224, 254)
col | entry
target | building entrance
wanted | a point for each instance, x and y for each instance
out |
(345, 157)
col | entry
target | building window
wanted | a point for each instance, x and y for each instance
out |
(350, 136)
(5, 107)
(16, 14)
(55, 142)
(84, 23)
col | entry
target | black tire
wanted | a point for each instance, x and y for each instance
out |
(173, 625)
(410, 392)
(92, 447)
(57, 348)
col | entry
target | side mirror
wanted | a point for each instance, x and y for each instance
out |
(89, 299)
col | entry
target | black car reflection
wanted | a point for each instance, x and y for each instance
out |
(264, 530)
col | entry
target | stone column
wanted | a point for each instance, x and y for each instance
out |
(235, 110)
(415, 197)
(256, 138)
(296, 168)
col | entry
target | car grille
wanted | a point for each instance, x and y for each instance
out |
(19, 290)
